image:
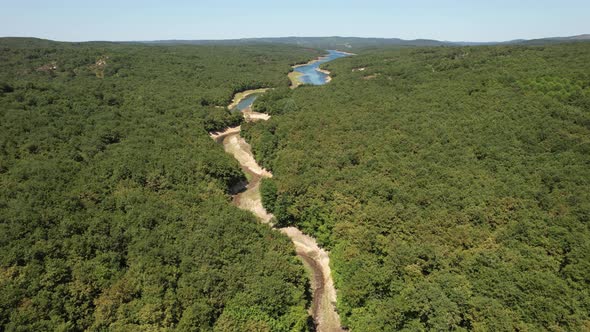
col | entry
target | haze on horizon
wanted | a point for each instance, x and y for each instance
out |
(459, 20)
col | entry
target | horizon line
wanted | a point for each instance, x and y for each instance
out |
(294, 36)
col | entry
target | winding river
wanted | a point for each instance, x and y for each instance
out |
(247, 197)
(310, 73)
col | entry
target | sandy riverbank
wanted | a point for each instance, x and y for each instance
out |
(324, 296)
(241, 95)
(251, 116)
(315, 259)
(327, 72)
(294, 76)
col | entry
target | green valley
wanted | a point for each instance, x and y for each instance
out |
(114, 206)
(415, 185)
(450, 184)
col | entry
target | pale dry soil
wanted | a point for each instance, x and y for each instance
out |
(294, 76)
(250, 115)
(315, 259)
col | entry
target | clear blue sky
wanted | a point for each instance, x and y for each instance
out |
(459, 20)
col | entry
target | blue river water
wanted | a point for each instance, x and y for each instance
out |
(310, 73)
(246, 102)
(310, 76)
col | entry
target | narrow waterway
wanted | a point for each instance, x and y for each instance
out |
(310, 73)
(247, 197)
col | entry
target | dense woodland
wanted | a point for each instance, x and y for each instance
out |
(450, 184)
(114, 211)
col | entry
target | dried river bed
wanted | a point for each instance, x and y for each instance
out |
(315, 259)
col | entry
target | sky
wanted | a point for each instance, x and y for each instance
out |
(458, 20)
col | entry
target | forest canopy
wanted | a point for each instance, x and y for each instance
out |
(450, 184)
(114, 211)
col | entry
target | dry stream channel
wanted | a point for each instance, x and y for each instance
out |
(315, 259)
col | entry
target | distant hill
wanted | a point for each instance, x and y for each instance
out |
(314, 42)
(552, 40)
(538, 41)
(341, 43)
(25, 42)
(359, 42)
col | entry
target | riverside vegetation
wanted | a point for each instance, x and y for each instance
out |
(449, 184)
(316, 260)
(114, 205)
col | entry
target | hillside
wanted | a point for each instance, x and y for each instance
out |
(336, 42)
(555, 40)
(314, 42)
(450, 184)
(359, 43)
(114, 206)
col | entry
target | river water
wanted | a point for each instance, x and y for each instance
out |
(245, 103)
(310, 73)
(316, 260)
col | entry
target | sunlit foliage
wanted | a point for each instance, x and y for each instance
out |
(450, 184)
(114, 212)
